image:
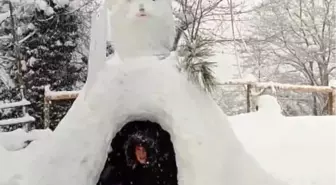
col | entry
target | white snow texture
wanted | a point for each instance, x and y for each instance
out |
(141, 33)
(207, 150)
(143, 88)
(16, 140)
(297, 150)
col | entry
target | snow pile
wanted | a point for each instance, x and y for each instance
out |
(268, 104)
(332, 83)
(19, 139)
(76, 152)
(13, 158)
(298, 150)
(250, 78)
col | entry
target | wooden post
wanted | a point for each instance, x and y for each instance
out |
(27, 126)
(46, 112)
(332, 102)
(248, 98)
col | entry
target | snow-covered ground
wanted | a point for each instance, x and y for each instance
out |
(298, 150)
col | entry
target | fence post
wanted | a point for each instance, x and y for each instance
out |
(46, 112)
(27, 126)
(248, 97)
(46, 108)
(330, 103)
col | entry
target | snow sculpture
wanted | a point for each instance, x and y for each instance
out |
(268, 104)
(141, 28)
(207, 151)
(97, 56)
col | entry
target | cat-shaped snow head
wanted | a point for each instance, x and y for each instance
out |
(141, 9)
(141, 27)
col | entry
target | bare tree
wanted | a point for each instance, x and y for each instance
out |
(200, 25)
(296, 39)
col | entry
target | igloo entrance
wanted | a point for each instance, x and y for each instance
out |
(122, 167)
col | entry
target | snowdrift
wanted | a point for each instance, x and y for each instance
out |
(207, 150)
(19, 139)
(298, 150)
(11, 147)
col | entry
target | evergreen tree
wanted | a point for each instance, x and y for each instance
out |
(49, 38)
(48, 57)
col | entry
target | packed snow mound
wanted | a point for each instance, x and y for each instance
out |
(298, 150)
(268, 104)
(19, 139)
(332, 83)
(207, 150)
(12, 145)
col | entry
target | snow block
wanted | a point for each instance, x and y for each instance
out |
(207, 150)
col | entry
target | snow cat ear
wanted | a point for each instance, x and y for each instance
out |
(111, 4)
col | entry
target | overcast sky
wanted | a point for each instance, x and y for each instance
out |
(227, 59)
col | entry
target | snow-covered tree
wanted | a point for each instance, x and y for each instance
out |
(48, 32)
(197, 31)
(48, 57)
(294, 42)
(10, 35)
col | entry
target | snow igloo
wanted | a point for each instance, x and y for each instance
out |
(160, 167)
(195, 132)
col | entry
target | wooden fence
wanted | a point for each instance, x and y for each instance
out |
(25, 120)
(250, 85)
(51, 96)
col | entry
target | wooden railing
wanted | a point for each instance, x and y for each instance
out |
(25, 120)
(328, 90)
(50, 96)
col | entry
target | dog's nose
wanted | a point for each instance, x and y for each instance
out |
(141, 8)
